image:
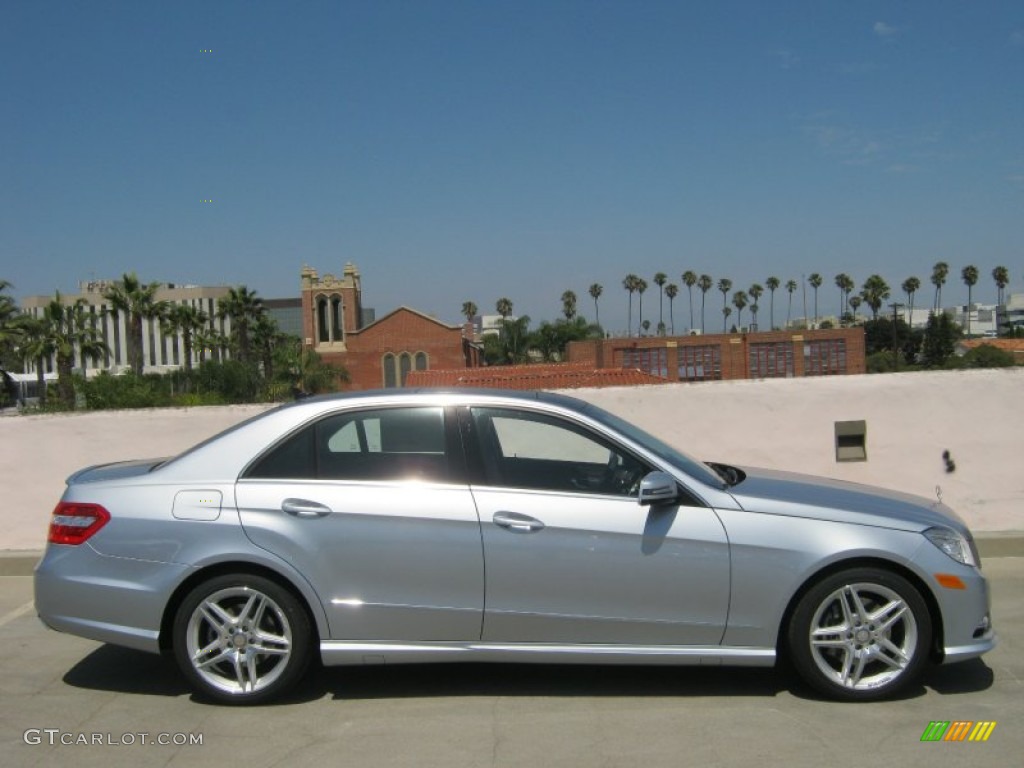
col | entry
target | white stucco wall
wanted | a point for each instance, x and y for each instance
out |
(785, 424)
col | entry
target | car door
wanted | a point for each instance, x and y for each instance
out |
(373, 507)
(571, 556)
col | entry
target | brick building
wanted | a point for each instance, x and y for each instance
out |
(772, 354)
(535, 376)
(381, 353)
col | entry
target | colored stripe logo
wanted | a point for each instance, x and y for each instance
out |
(958, 730)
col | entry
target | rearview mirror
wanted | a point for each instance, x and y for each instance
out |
(658, 488)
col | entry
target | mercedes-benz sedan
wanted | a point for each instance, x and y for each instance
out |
(427, 526)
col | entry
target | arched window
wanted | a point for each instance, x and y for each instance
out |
(336, 324)
(322, 320)
(388, 364)
(421, 361)
(404, 366)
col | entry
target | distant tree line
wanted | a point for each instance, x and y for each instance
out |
(874, 292)
(254, 362)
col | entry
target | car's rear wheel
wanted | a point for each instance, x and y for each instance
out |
(860, 635)
(241, 639)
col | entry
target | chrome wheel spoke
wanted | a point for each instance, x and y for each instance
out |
(239, 671)
(858, 672)
(889, 614)
(895, 656)
(216, 616)
(269, 644)
(830, 637)
(224, 654)
(858, 605)
(844, 672)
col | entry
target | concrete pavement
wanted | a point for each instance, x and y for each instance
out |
(62, 687)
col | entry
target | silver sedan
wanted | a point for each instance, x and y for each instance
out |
(427, 526)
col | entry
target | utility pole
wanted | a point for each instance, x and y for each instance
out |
(896, 306)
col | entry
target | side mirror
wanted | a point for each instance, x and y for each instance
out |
(658, 488)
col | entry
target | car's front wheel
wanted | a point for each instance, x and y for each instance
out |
(860, 635)
(241, 639)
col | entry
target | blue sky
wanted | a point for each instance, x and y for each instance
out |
(471, 150)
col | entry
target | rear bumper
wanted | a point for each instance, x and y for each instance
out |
(110, 599)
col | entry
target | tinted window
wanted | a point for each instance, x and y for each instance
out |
(529, 450)
(385, 444)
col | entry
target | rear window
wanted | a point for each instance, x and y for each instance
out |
(382, 444)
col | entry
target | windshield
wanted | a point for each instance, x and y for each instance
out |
(691, 466)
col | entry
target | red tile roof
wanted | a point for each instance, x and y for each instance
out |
(540, 376)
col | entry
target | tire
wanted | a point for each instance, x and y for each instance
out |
(860, 635)
(241, 639)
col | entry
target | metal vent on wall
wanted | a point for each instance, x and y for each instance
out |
(851, 441)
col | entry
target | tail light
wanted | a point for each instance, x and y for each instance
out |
(74, 522)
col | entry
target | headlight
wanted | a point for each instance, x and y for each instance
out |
(953, 544)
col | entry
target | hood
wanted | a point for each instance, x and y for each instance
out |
(114, 471)
(787, 493)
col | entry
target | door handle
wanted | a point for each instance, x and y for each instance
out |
(304, 508)
(517, 523)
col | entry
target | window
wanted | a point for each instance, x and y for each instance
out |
(322, 323)
(388, 364)
(421, 361)
(336, 324)
(533, 451)
(771, 360)
(653, 360)
(385, 444)
(404, 366)
(825, 357)
(700, 363)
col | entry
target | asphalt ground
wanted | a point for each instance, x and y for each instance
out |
(57, 688)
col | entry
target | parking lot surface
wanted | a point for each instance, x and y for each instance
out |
(67, 700)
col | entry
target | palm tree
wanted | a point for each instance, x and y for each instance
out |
(36, 346)
(138, 302)
(845, 285)
(630, 282)
(773, 284)
(725, 285)
(187, 320)
(595, 292)
(969, 275)
(69, 330)
(705, 283)
(739, 300)
(1002, 277)
(854, 302)
(243, 307)
(641, 286)
(266, 336)
(726, 311)
(939, 273)
(755, 291)
(469, 311)
(11, 333)
(791, 286)
(910, 287)
(503, 307)
(690, 280)
(569, 304)
(660, 278)
(815, 281)
(874, 291)
(672, 290)
(208, 339)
